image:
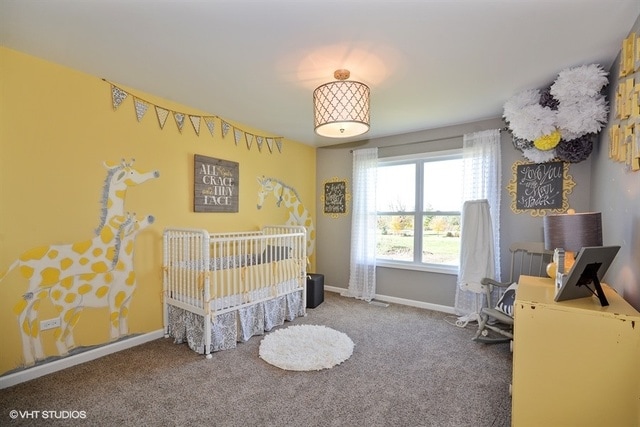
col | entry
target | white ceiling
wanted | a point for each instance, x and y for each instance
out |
(429, 63)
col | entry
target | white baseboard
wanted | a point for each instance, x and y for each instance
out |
(402, 301)
(77, 359)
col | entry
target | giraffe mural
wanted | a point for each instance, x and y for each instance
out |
(46, 266)
(101, 258)
(298, 214)
(112, 289)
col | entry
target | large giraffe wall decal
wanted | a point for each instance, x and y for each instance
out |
(298, 214)
(48, 266)
(112, 289)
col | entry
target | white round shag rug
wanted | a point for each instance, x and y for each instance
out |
(305, 348)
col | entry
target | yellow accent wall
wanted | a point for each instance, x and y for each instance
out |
(57, 127)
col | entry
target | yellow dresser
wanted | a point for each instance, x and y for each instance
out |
(575, 363)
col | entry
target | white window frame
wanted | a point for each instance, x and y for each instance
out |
(418, 214)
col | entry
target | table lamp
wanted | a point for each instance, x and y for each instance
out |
(571, 231)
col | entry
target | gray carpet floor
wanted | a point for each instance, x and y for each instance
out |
(410, 367)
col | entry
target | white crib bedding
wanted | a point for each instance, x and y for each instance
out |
(229, 328)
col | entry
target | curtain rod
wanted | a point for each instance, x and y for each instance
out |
(502, 129)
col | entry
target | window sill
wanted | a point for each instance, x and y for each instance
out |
(430, 268)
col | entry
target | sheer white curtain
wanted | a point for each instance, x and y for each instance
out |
(362, 274)
(482, 175)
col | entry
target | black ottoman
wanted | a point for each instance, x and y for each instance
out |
(315, 289)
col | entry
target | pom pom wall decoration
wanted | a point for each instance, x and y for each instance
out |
(560, 122)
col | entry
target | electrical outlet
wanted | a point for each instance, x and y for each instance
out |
(50, 324)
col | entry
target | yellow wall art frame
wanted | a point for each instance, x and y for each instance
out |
(540, 188)
(335, 197)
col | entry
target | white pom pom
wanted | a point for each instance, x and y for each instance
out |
(516, 103)
(533, 121)
(567, 135)
(578, 82)
(539, 156)
(588, 115)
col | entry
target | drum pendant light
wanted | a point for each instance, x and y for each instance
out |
(341, 108)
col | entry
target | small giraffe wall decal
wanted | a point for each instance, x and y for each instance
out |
(298, 214)
(47, 266)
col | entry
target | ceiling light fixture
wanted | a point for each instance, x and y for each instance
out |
(341, 108)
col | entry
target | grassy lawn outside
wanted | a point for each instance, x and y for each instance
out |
(437, 248)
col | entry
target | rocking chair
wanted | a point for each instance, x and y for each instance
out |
(495, 324)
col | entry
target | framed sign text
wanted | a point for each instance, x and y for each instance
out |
(216, 185)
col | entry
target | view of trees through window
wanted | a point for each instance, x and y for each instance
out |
(419, 202)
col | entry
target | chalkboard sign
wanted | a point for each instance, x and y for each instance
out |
(540, 186)
(335, 197)
(216, 185)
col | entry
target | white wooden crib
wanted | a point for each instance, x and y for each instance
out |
(223, 288)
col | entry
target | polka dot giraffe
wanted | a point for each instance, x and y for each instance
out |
(46, 266)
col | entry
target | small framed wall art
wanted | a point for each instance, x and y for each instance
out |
(335, 197)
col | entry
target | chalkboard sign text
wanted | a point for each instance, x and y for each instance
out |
(335, 197)
(540, 186)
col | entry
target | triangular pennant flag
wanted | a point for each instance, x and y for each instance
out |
(225, 128)
(195, 122)
(210, 124)
(279, 144)
(117, 96)
(141, 107)
(270, 144)
(249, 138)
(162, 116)
(237, 135)
(179, 117)
(259, 142)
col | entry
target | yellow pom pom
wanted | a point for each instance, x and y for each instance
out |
(548, 142)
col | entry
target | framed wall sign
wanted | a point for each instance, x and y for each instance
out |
(215, 184)
(540, 188)
(335, 197)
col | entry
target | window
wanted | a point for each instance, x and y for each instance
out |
(419, 199)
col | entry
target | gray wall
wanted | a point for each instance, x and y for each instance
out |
(333, 236)
(616, 193)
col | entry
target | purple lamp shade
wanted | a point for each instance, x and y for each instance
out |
(572, 232)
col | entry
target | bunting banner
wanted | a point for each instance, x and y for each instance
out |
(179, 117)
(237, 135)
(225, 128)
(141, 106)
(162, 116)
(195, 122)
(210, 124)
(249, 138)
(117, 96)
